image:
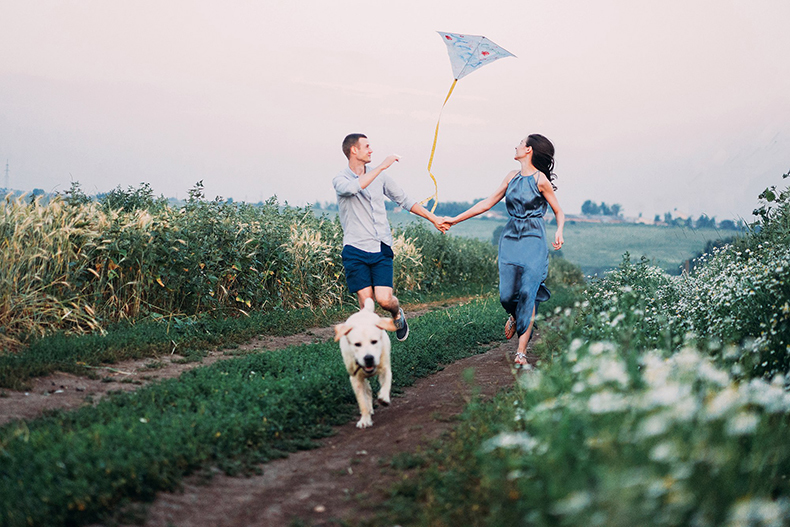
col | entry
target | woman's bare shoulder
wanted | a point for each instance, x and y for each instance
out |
(511, 175)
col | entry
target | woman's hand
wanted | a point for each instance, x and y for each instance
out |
(448, 222)
(558, 240)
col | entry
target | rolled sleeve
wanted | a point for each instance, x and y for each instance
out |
(393, 191)
(345, 186)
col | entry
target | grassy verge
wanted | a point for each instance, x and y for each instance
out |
(71, 467)
(70, 353)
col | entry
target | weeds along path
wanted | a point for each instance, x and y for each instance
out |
(66, 390)
(346, 479)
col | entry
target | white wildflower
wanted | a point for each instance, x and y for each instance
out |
(665, 451)
(574, 503)
(653, 426)
(724, 401)
(510, 440)
(759, 511)
(606, 402)
(743, 423)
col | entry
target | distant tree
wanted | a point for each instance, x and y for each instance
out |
(704, 222)
(605, 210)
(616, 209)
(657, 218)
(590, 208)
(668, 218)
(728, 225)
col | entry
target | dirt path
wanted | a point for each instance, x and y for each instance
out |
(66, 391)
(348, 476)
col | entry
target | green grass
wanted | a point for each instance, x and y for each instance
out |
(73, 467)
(188, 335)
(598, 247)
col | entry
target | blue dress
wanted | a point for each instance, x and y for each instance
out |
(523, 253)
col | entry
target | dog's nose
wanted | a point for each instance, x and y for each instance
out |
(368, 361)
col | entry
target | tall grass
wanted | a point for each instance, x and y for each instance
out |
(78, 265)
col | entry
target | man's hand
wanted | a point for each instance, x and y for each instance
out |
(440, 224)
(388, 161)
(447, 222)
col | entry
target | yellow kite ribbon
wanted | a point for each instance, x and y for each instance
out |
(435, 196)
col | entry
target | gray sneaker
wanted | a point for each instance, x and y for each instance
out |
(401, 326)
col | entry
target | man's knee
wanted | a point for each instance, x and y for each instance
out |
(386, 300)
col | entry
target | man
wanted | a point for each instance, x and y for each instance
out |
(367, 239)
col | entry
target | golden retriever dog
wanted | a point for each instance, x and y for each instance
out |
(366, 352)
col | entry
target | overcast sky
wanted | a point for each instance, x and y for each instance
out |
(677, 104)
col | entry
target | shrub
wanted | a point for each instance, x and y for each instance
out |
(80, 266)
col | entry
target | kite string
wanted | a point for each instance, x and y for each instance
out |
(435, 196)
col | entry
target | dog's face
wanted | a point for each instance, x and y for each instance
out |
(362, 336)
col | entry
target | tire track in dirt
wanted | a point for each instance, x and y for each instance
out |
(66, 391)
(348, 476)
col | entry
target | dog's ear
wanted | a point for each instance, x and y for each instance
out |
(341, 330)
(387, 324)
(370, 305)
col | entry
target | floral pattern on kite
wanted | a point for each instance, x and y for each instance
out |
(469, 52)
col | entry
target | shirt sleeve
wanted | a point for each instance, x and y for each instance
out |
(393, 191)
(346, 186)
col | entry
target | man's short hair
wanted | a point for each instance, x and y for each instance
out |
(349, 141)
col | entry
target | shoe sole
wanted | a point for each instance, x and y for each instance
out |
(404, 336)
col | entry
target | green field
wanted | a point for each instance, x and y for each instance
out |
(597, 247)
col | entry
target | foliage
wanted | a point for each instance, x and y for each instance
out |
(665, 402)
(590, 208)
(604, 436)
(71, 466)
(81, 266)
(452, 261)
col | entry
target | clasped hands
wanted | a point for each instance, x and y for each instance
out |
(444, 223)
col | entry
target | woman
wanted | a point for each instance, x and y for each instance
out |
(523, 254)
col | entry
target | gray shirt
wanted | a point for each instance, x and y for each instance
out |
(362, 211)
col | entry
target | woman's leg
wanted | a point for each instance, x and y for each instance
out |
(523, 340)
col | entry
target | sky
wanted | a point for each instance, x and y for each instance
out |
(678, 105)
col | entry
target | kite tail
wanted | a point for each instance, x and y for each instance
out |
(435, 196)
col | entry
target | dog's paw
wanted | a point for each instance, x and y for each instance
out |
(364, 422)
(385, 402)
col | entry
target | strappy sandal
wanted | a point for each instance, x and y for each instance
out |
(521, 359)
(510, 328)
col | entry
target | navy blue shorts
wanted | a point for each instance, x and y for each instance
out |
(364, 269)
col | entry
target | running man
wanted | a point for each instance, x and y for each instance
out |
(367, 239)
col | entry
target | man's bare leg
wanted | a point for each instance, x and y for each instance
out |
(364, 294)
(387, 300)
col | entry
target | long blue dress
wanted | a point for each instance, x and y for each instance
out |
(523, 253)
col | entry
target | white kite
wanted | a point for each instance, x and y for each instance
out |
(467, 53)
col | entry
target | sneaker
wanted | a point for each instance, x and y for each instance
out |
(401, 326)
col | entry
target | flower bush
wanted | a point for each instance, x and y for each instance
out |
(668, 439)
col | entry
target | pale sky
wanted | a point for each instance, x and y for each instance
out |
(677, 104)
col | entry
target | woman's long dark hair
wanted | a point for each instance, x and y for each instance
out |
(543, 156)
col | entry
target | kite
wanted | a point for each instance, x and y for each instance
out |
(467, 53)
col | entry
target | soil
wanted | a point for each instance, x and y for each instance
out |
(345, 480)
(342, 481)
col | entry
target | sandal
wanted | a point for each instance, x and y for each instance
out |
(521, 359)
(510, 328)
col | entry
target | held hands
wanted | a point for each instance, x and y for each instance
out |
(441, 223)
(444, 223)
